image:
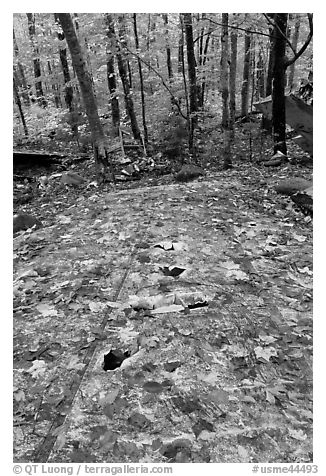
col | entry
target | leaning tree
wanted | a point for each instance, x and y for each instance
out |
(98, 137)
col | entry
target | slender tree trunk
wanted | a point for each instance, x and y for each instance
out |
(246, 76)
(200, 46)
(203, 59)
(20, 77)
(187, 18)
(233, 74)
(129, 73)
(180, 50)
(270, 62)
(125, 83)
(111, 76)
(253, 72)
(53, 86)
(267, 123)
(295, 39)
(167, 43)
(183, 71)
(278, 97)
(37, 64)
(69, 94)
(19, 105)
(269, 79)
(141, 81)
(86, 87)
(112, 83)
(224, 70)
(151, 39)
(225, 91)
(148, 45)
(260, 77)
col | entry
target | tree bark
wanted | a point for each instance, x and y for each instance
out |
(111, 76)
(232, 79)
(167, 45)
(125, 83)
(65, 69)
(270, 68)
(187, 18)
(69, 94)
(202, 62)
(20, 76)
(295, 39)
(19, 105)
(246, 75)
(224, 70)
(54, 87)
(183, 71)
(36, 62)
(278, 98)
(225, 91)
(141, 81)
(86, 87)
(180, 52)
(260, 77)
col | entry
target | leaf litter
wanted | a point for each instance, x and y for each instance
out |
(214, 363)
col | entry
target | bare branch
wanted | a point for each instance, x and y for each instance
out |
(238, 28)
(174, 99)
(272, 23)
(304, 46)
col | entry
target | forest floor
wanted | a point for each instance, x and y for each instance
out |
(197, 300)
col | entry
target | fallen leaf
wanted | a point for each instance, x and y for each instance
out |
(97, 306)
(46, 310)
(38, 368)
(297, 434)
(243, 453)
(265, 353)
(218, 396)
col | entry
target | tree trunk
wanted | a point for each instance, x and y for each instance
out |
(246, 75)
(86, 87)
(225, 90)
(168, 49)
(54, 87)
(141, 80)
(224, 70)
(253, 72)
(129, 73)
(69, 94)
(278, 98)
(232, 81)
(267, 123)
(203, 59)
(37, 64)
(183, 71)
(125, 83)
(260, 77)
(200, 46)
(19, 105)
(270, 68)
(294, 42)
(65, 68)
(187, 17)
(112, 82)
(180, 53)
(20, 77)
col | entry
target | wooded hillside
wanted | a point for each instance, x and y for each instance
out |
(163, 200)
